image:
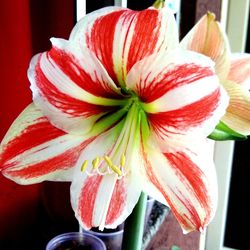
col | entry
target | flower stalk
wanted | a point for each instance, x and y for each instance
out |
(134, 226)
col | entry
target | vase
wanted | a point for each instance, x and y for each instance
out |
(112, 238)
(75, 241)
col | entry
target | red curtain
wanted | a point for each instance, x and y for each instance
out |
(26, 26)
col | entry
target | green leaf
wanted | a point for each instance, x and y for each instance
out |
(223, 133)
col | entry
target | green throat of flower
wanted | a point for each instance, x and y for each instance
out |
(130, 125)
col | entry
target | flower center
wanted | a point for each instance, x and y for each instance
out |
(117, 159)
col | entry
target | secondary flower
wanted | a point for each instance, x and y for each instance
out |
(208, 38)
(119, 110)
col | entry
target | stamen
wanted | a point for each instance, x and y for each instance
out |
(84, 165)
(112, 166)
(96, 162)
(108, 160)
(109, 170)
(122, 160)
(116, 169)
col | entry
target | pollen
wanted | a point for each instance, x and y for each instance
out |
(116, 170)
(108, 160)
(102, 165)
(84, 165)
(112, 166)
(96, 162)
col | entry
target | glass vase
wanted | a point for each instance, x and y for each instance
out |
(76, 241)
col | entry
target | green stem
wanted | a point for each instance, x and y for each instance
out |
(134, 226)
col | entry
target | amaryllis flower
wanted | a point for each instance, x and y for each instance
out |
(118, 110)
(207, 37)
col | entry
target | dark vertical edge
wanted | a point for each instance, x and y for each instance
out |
(187, 17)
(74, 12)
(93, 5)
(139, 5)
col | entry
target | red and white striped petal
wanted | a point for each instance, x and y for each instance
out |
(103, 200)
(174, 88)
(208, 38)
(240, 70)
(121, 37)
(72, 89)
(186, 179)
(237, 116)
(33, 150)
(87, 21)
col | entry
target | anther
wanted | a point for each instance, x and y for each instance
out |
(84, 165)
(116, 169)
(108, 160)
(95, 162)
